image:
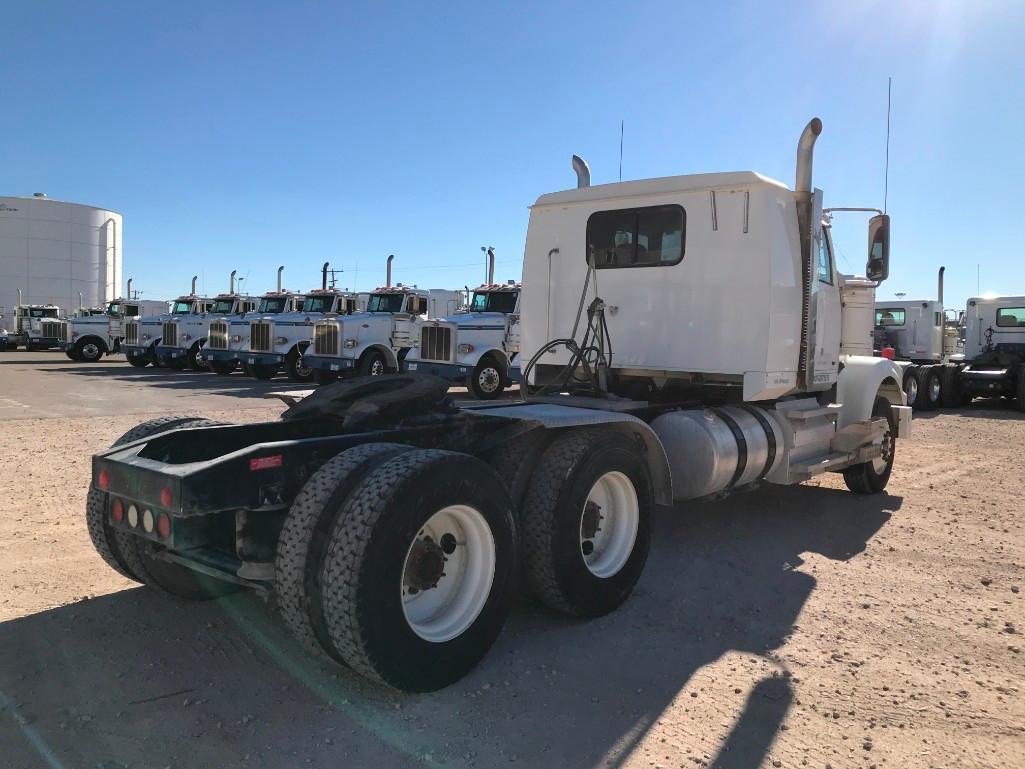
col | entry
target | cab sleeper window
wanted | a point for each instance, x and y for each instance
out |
(891, 316)
(653, 236)
(1011, 317)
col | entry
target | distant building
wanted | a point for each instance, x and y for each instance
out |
(53, 250)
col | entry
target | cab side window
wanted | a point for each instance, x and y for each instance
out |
(825, 261)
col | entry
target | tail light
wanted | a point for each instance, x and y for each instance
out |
(888, 352)
(103, 479)
(117, 511)
(164, 525)
(165, 497)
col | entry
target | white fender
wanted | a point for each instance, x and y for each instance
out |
(861, 379)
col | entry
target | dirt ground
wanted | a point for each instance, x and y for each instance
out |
(788, 627)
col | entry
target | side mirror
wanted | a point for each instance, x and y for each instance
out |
(878, 267)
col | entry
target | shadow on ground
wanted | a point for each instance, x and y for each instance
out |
(138, 679)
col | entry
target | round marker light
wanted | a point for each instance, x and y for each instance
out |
(165, 497)
(103, 479)
(117, 511)
(147, 521)
(163, 526)
(133, 516)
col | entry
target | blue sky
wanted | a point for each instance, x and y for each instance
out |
(244, 135)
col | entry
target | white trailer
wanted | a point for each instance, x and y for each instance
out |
(686, 337)
(94, 333)
(479, 347)
(377, 340)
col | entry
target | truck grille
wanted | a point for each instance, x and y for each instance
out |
(325, 339)
(169, 335)
(260, 337)
(436, 343)
(56, 330)
(131, 333)
(217, 338)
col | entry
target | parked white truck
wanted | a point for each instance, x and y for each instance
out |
(144, 336)
(35, 327)
(375, 342)
(279, 342)
(686, 337)
(183, 336)
(479, 348)
(93, 334)
(921, 336)
(228, 338)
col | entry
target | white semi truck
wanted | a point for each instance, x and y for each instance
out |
(684, 337)
(93, 334)
(228, 338)
(921, 335)
(376, 341)
(279, 341)
(994, 350)
(479, 348)
(183, 336)
(144, 336)
(35, 326)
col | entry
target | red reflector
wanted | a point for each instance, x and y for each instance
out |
(266, 463)
(103, 479)
(888, 353)
(165, 497)
(163, 526)
(117, 511)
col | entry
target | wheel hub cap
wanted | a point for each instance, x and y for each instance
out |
(488, 380)
(90, 350)
(608, 524)
(377, 368)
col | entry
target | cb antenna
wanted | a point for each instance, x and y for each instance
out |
(886, 172)
(620, 150)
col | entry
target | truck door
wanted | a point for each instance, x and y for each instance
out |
(826, 322)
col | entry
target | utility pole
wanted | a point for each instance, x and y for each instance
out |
(334, 280)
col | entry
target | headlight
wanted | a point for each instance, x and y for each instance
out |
(237, 338)
(145, 336)
(350, 343)
(280, 340)
(187, 337)
(464, 348)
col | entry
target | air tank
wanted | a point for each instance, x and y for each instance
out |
(858, 301)
(716, 449)
(53, 250)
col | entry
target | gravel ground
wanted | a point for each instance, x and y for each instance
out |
(789, 627)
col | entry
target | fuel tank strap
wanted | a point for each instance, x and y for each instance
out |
(770, 436)
(738, 435)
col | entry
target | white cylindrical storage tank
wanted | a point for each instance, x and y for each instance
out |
(858, 297)
(53, 250)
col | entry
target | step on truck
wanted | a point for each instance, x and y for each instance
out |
(145, 336)
(35, 327)
(228, 337)
(279, 341)
(93, 334)
(478, 348)
(377, 341)
(925, 340)
(183, 337)
(684, 338)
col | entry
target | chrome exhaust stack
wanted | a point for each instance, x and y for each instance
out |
(939, 286)
(387, 276)
(491, 265)
(194, 279)
(323, 275)
(129, 296)
(281, 269)
(231, 285)
(583, 172)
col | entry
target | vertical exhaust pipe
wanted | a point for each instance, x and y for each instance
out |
(323, 275)
(583, 172)
(231, 285)
(19, 297)
(129, 290)
(194, 279)
(491, 265)
(803, 199)
(387, 275)
(281, 269)
(939, 287)
(80, 307)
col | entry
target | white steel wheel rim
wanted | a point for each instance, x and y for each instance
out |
(606, 541)
(445, 611)
(912, 390)
(377, 367)
(90, 350)
(301, 368)
(488, 379)
(879, 463)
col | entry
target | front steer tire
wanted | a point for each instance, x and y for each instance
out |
(296, 369)
(560, 508)
(263, 372)
(138, 553)
(871, 477)
(304, 537)
(487, 381)
(381, 549)
(223, 367)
